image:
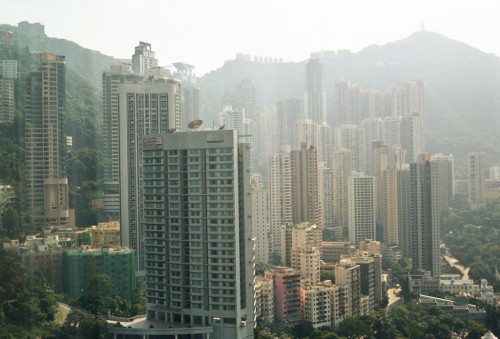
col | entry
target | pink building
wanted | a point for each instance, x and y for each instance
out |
(286, 284)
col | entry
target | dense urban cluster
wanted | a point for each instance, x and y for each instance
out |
(304, 227)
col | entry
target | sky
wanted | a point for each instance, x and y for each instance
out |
(205, 33)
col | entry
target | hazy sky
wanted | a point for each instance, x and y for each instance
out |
(207, 32)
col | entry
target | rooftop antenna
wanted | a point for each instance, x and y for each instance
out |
(195, 124)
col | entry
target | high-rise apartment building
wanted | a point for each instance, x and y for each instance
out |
(288, 111)
(317, 135)
(342, 168)
(7, 100)
(280, 194)
(199, 246)
(264, 300)
(424, 211)
(390, 130)
(361, 206)
(476, 181)
(327, 196)
(46, 182)
(412, 136)
(8, 69)
(297, 236)
(235, 118)
(261, 230)
(393, 197)
(286, 286)
(145, 108)
(307, 261)
(110, 143)
(315, 95)
(347, 275)
(305, 191)
(408, 98)
(446, 178)
(190, 97)
(352, 137)
(373, 132)
(143, 58)
(343, 103)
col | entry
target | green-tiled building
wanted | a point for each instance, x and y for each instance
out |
(79, 266)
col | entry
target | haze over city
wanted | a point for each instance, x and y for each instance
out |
(205, 33)
(249, 170)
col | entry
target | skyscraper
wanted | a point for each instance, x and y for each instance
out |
(315, 97)
(45, 143)
(146, 108)
(476, 181)
(424, 210)
(199, 246)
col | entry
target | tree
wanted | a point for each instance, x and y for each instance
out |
(79, 325)
(479, 270)
(302, 329)
(352, 327)
(27, 303)
(327, 276)
(95, 298)
(261, 267)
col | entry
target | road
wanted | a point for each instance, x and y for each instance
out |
(454, 262)
(64, 309)
(392, 294)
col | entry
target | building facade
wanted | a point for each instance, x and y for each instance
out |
(148, 108)
(46, 182)
(199, 248)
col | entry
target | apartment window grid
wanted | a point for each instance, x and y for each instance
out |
(192, 218)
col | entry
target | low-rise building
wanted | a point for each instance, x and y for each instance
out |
(7, 196)
(105, 234)
(332, 251)
(459, 307)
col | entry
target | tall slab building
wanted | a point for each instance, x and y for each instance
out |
(280, 194)
(46, 182)
(424, 210)
(476, 182)
(144, 108)
(199, 246)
